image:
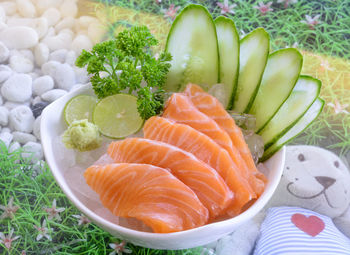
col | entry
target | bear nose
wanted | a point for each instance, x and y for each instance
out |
(325, 181)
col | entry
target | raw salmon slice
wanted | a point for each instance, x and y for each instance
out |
(148, 193)
(208, 185)
(211, 106)
(205, 149)
(180, 109)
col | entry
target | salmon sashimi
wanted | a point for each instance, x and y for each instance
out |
(148, 193)
(180, 109)
(208, 185)
(205, 149)
(211, 106)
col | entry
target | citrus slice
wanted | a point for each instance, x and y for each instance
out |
(117, 116)
(79, 107)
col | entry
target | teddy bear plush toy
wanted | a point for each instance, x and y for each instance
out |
(309, 212)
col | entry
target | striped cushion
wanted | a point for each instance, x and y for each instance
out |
(293, 230)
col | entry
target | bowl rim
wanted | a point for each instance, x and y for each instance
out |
(244, 216)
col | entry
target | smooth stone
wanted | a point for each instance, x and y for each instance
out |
(3, 25)
(52, 15)
(67, 22)
(81, 75)
(81, 42)
(14, 147)
(53, 95)
(50, 32)
(27, 53)
(6, 137)
(2, 14)
(26, 8)
(4, 116)
(43, 5)
(42, 85)
(32, 151)
(10, 7)
(1, 100)
(34, 75)
(36, 100)
(71, 57)
(23, 138)
(19, 37)
(59, 55)
(17, 88)
(96, 31)
(62, 74)
(57, 42)
(21, 64)
(6, 129)
(21, 119)
(41, 54)
(69, 8)
(4, 52)
(41, 26)
(11, 105)
(37, 108)
(5, 73)
(36, 128)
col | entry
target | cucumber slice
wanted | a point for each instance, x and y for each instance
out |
(311, 114)
(280, 76)
(228, 41)
(192, 42)
(254, 50)
(303, 95)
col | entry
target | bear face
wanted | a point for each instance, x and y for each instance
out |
(314, 178)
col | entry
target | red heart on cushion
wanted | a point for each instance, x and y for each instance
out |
(311, 225)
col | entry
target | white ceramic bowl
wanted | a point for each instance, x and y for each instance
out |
(68, 174)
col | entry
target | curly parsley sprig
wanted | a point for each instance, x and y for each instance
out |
(121, 64)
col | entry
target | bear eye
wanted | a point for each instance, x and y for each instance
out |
(336, 164)
(301, 157)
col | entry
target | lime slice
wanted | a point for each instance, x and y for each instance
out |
(79, 108)
(117, 116)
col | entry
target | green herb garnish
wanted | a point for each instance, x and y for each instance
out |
(122, 64)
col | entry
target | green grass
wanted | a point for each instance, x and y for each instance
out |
(33, 190)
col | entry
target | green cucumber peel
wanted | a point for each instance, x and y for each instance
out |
(254, 51)
(192, 42)
(280, 76)
(303, 123)
(299, 101)
(228, 43)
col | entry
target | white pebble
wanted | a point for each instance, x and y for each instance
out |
(21, 64)
(96, 31)
(60, 41)
(59, 55)
(4, 52)
(3, 25)
(26, 8)
(6, 137)
(27, 53)
(71, 57)
(11, 105)
(9, 7)
(6, 129)
(81, 42)
(50, 32)
(21, 119)
(81, 75)
(34, 75)
(62, 74)
(1, 100)
(42, 85)
(36, 128)
(36, 100)
(52, 15)
(5, 73)
(4, 116)
(23, 138)
(17, 88)
(19, 37)
(69, 8)
(14, 147)
(2, 14)
(67, 22)
(41, 54)
(43, 5)
(53, 95)
(41, 26)
(32, 151)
